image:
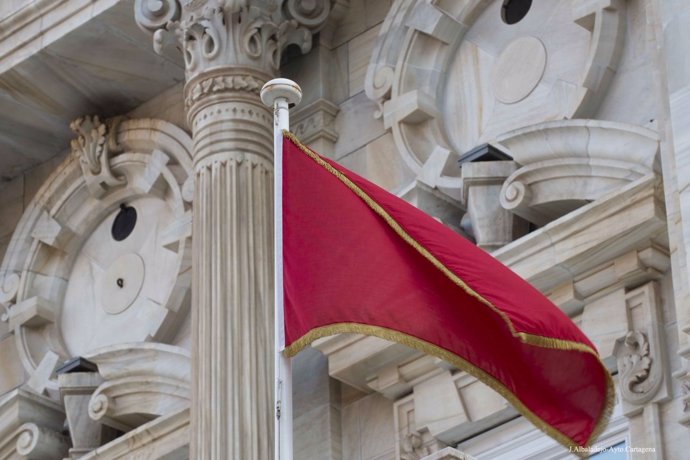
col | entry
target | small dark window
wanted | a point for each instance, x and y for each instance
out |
(513, 11)
(124, 222)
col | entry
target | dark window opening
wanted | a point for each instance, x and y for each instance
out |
(513, 11)
(124, 222)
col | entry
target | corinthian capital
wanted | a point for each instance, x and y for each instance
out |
(219, 33)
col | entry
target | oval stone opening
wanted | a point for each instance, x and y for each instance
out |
(513, 11)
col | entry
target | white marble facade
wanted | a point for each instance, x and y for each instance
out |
(558, 143)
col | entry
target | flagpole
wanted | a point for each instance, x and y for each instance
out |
(279, 93)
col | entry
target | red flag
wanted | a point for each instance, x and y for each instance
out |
(358, 259)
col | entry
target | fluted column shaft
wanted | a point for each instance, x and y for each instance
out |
(230, 49)
(232, 408)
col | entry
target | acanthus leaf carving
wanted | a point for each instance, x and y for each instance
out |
(93, 146)
(412, 447)
(215, 33)
(638, 378)
(636, 363)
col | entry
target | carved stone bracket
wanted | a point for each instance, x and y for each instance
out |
(412, 447)
(86, 434)
(566, 164)
(140, 382)
(95, 143)
(426, 423)
(490, 224)
(641, 353)
(31, 426)
(634, 364)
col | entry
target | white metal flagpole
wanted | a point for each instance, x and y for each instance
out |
(279, 93)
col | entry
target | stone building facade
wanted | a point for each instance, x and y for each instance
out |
(136, 198)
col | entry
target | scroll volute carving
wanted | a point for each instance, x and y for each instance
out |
(640, 353)
(216, 33)
(640, 376)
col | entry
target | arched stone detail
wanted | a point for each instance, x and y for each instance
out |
(436, 86)
(153, 158)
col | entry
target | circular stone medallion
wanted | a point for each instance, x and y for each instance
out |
(122, 283)
(519, 69)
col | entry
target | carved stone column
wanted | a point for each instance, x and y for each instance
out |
(231, 48)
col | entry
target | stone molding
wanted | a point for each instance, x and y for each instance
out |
(156, 161)
(221, 83)
(449, 453)
(627, 271)
(315, 121)
(215, 122)
(164, 435)
(584, 239)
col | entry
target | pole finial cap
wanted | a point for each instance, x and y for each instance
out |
(281, 88)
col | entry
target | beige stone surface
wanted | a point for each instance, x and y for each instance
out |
(359, 51)
(595, 120)
(11, 371)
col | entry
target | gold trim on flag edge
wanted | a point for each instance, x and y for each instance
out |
(450, 357)
(530, 339)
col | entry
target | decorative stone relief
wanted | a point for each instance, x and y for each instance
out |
(641, 354)
(412, 447)
(77, 288)
(217, 33)
(445, 408)
(93, 147)
(455, 76)
(634, 364)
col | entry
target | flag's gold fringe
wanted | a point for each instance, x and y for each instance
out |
(531, 339)
(452, 358)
